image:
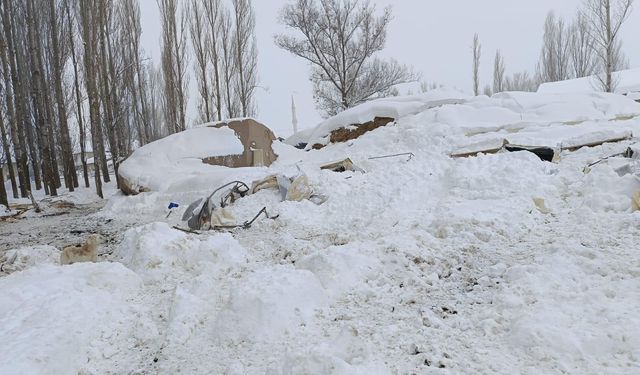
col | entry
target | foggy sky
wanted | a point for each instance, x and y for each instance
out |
(433, 36)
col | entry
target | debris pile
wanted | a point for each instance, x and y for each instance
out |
(204, 214)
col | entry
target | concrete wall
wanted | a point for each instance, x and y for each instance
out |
(257, 140)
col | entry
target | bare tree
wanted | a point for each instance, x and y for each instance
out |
(521, 81)
(477, 53)
(228, 66)
(15, 95)
(78, 99)
(5, 158)
(246, 55)
(6, 141)
(132, 30)
(606, 18)
(153, 99)
(40, 101)
(45, 71)
(555, 55)
(213, 10)
(174, 61)
(582, 48)
(70, 174)
(90, 30)
(200, 42)
(498, 73)
(341, 38)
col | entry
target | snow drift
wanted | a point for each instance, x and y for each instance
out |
(156, 166)
(627, 81)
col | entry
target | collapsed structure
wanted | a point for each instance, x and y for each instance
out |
(233, 144)
(257, 140)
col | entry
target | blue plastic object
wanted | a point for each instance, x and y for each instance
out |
(173, 205)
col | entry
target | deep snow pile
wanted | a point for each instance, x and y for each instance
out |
(627, 81)
(531, 119)
(428, 265)
(394, 107)
(76, 319)
(156, 165)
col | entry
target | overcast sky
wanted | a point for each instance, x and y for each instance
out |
(434, 36)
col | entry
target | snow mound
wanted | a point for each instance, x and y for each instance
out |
(522, 118)
(72, 319)
(513, 112)
(160, 165)
(157, 253)
(628, 81)
(344, 354)
(28, 257)
(578, 309)
(270, 303)
(340, 269)
(393, 107)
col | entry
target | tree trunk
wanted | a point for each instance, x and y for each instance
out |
(610, 49)
(70, 175)
(4, 201)
(76, 83)
(106, 95)
(22, 65)
(15, 103)
(39, 105)
(115, 105)
(89, 41)
(7, 154)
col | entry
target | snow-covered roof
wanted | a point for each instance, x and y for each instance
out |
(393, 107)
(510, 112)
(156, 164)
(628, 81)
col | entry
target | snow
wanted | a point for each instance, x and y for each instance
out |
(270, 303)
(432, 265)
(627, 81)
(394, 107)
(63, 320)
(4, 211)
(177, 159)
(28, 257)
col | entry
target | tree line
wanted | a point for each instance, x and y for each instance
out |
(589, 45)
(78, 94)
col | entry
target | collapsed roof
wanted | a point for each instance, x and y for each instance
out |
(181, 158)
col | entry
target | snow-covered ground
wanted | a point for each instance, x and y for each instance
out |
(431, 265)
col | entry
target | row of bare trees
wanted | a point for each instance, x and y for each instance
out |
(223, 42)
(77, 96)
(589, 46)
